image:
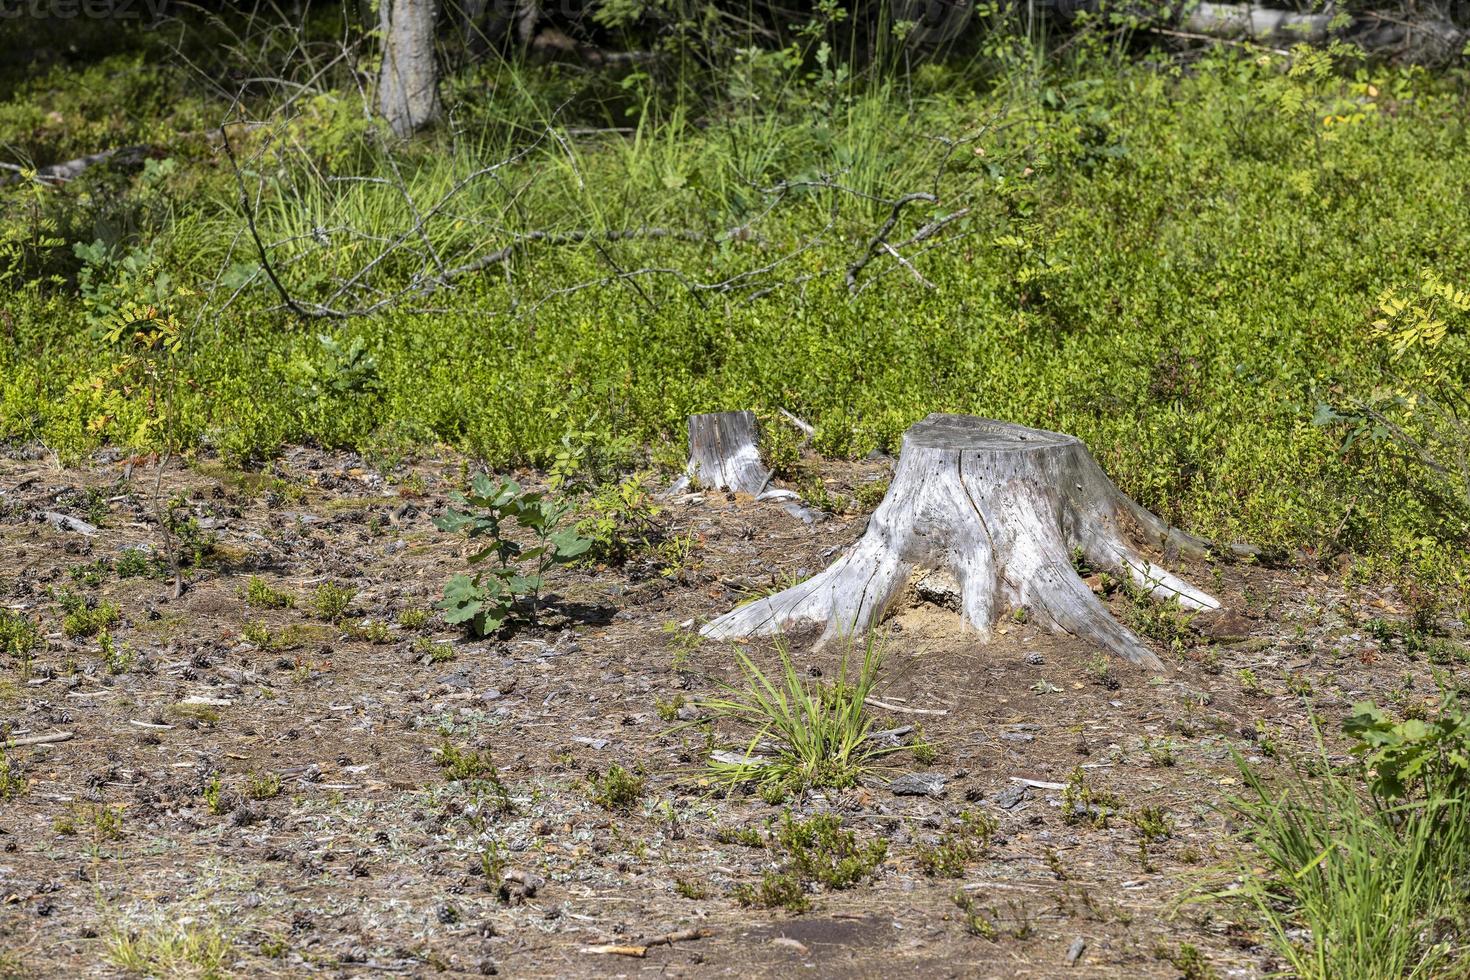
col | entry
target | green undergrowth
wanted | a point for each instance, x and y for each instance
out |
(1360, 870)
(1179, 265)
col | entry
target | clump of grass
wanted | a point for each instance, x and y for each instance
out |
(117, 657)
(260, 594)
(288, 638)
(820, 731)
(1153, 825)
(668, 710)
(477, 771)
(978, 920)
(372, 631)
(1190, 962)
(99, 822)
(263, 786)
(168, 948)
(461, 764)
(139, 563)
(691, 888)
(947, 857)
(1083, 803)
(415, 618)
(1162, 621)
(12, 781)
(215, 798)
(618, 789)
(775, 890)
(924, 752)
(331, 601)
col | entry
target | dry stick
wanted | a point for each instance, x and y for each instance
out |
(265, 261)
(875, 703)
(907, 265)
(641, 950)
(16, 743)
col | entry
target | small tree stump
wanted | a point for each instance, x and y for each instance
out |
(998, 508)
(723, 453)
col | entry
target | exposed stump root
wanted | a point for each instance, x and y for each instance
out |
(1000, 508)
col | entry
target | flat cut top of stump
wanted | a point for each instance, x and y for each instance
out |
(966, 432)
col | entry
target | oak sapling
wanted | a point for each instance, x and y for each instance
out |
(509, 589)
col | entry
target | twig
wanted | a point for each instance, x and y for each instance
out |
(641, 950)
(683, 935)
(905, 263)
(16, 743)
(265, 261)
(875, 703)
(609, 950)
(806, 427)
(1191, 36)
(881, 237)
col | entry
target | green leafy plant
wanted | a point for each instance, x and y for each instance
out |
(19, 634)
(959, 846)
(1084, 803)
(814, 852)
(498, 594)
(263, 786)
(1413, 759)
(147, 344)
(12, 780)
(820, 731)
(260, 594)
(82, 620)
(620, 520)
(331, 600)
(337, 370)
(617, 789)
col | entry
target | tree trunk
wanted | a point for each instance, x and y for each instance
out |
(1001, 509)
(408, 83)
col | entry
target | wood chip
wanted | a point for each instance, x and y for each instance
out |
(609, 950)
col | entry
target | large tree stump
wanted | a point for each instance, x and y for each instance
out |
(999, 508)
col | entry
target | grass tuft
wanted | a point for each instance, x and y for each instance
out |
(819, 731)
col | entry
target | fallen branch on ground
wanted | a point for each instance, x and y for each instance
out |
(16, 743)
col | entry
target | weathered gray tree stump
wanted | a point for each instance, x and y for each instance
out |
(723, 453)
(999, 508)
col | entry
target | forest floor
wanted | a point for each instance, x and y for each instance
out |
(275, 805)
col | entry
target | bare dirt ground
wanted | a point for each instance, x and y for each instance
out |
(277, 800)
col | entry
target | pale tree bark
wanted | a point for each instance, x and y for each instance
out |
(999, 512)
(408, 83)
